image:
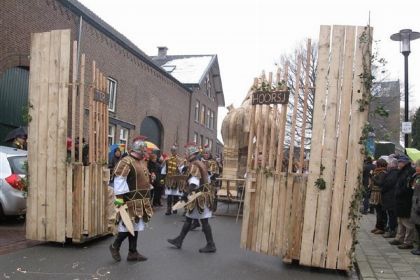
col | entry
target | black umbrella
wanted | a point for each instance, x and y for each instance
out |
(20, 131)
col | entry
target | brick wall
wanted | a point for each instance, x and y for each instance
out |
(141, 90)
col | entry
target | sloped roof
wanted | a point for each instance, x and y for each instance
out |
(192, 69)
(94, 20)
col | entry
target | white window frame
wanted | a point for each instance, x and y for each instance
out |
(112, 91)
(196, 138)
(197, 111)
(211, 144)
(208, 118)
(211, 125)
(111, 134)
(203, 114)
(124, 135)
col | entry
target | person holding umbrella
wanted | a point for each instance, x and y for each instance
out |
(18, 138)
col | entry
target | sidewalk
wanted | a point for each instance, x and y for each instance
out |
(377, 259)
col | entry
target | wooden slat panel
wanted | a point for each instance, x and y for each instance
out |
(51, 137)
(354, 165)
(274, 213)
(81, 105)
(73, 99)
(63, 97)
(294, 222)
(297, 235)
(315, 160)
(340, 170)
(305, 105)
(42, 139)
(268, 207)
(86, 199)
(252, 198)
(278, 250)
(256, 205)
(282, 123)
(69, 201)
(328, 157)
(286, 242)
(34, 100)
(77, 201)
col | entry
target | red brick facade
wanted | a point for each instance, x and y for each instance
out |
(142, 90)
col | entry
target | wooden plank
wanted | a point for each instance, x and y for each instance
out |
(278, 250)
(34, 100)
(282, 125)
(69, 201)
(342, 145)
(293, 232)
(295, 106)
(261, 208)
(73, 100)
(268, 207)
(51, 137)
(297, 235)
(256, 206)
(329, 150)
(87, 199)
(287, 218)
(63, 99)
(81, 105)
(305, 106)
(259, 135)
(91, 114)
(77, 201)
(267, 112)
(354, 165)
(274, 214)
(312, 192)
(252, 181)
(42, 130)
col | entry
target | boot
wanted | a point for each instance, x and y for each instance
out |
(115, 253)
(210, 246)
(177, 242)
(136, 257)
(115, 247)
(169, 205)
(195, 224)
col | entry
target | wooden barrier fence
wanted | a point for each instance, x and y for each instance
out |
(285, 213)
(68, 194)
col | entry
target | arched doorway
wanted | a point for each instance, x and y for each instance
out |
(13, 99)
(152, 128)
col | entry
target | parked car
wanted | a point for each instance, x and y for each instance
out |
(12, 171)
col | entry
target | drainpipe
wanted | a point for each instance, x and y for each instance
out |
(189, 117)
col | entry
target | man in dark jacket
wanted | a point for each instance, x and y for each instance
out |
(403, 196)
(388, 197)
(368, 166)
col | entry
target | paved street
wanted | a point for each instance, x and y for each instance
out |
(377, 259)
(93, 261)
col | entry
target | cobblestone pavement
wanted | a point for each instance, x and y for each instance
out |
(377, 259)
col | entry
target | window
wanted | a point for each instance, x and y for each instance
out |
(211, 125)
(211, 145)
(203, 114)
(208, 118)
(195, 137)
(197, 111)
(208, 86)
(206, 142)
(112, 91)
(111, 134)
(201, 140)
(124, 136)
(214, 121)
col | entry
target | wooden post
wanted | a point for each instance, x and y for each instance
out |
(91, 114)
(282, 123)
(305, 105)
(81, 106)
(73, 100)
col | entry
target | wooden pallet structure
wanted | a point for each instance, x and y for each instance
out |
(285, 213)
(66, 199)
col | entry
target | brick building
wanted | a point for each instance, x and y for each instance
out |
(144, 97)
(201, 74)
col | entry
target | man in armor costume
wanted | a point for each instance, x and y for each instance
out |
(132, 187)
(200, 207)
(174, 183)
(212, 170)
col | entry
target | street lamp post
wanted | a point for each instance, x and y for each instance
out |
(405, 36)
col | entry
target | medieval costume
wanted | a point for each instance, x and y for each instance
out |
(213, 172)
(132, 186)
(200, 207)
(174, 180)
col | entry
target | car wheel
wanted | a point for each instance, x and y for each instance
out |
(2, 216)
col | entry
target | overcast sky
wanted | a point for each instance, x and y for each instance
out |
(250, 35)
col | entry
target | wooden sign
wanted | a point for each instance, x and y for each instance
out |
(101, 96)
(270, 97)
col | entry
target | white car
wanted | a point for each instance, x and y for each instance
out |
(12, 170)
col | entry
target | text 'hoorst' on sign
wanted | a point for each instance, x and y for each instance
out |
(270, 97)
